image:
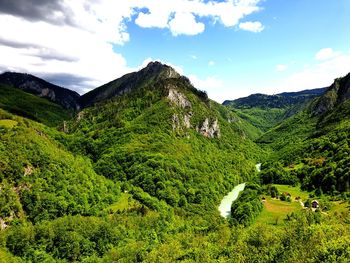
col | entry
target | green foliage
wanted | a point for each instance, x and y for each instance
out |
(248, 205)
(271, 190)
(60, 196)
(8, 123)
(316, 142)
(131, 138)
(263, 119)
(39, 178)
(30, 106)
(275, 173)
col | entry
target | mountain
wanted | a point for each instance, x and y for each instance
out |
(153, 72)
(66, 98)
(316, 141)
(281, 100)
(170, 150)
(138, 173)
(154, 130)
(27, 105)
(337, 93)
(266, 111)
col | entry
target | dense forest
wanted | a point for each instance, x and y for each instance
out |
(136, 169)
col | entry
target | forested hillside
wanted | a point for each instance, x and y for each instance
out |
(138, 172)
(315, 141)
(266, 111)
(30, 106)
(166, 137)
(66, 98)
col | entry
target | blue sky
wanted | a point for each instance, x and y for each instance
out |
(228, 48)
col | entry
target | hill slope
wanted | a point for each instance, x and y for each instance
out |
(40, 180)
(33, 107)
(168, 138)
(317, 140)
(281, 100)
(66, 98)
(266, 111)
(174, 153)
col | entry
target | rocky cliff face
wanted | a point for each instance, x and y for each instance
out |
(209, 129)
(178, 98)
(67, 98)
(180, 122)
(336, 94)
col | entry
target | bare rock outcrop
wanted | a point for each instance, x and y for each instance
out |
(210, 130)
(178, 98)
(180, 122)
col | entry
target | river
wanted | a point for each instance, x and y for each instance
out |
(225, 206)
(226, 202)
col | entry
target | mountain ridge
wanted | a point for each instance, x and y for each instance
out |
(70, 99)
(138, 174)
(266, 111)
(279, 100)
(67, 98)
(153, 71)
(337, 93)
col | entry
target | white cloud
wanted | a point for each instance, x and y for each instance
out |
(211, 63)
(194, 57)
(208, 83)
(78, 38)
(230, 12)
(185, 24)
(82, 47)
(281, 67)
(326, 53)
(212, 85)
(162, 15)
(158, 16)
(319, 75)
(52, 49)
(255, 27)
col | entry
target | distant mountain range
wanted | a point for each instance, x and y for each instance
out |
(72, 100)
(135, 170)
(67, 98)
(281, 100)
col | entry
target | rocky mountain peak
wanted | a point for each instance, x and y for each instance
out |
(153, 72)
(162, 70)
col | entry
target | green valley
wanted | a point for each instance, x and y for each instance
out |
(135, 170)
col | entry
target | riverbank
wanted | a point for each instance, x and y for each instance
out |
(226, 202)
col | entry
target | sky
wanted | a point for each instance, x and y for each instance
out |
(229, 48)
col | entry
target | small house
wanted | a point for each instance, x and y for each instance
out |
(315, 204)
